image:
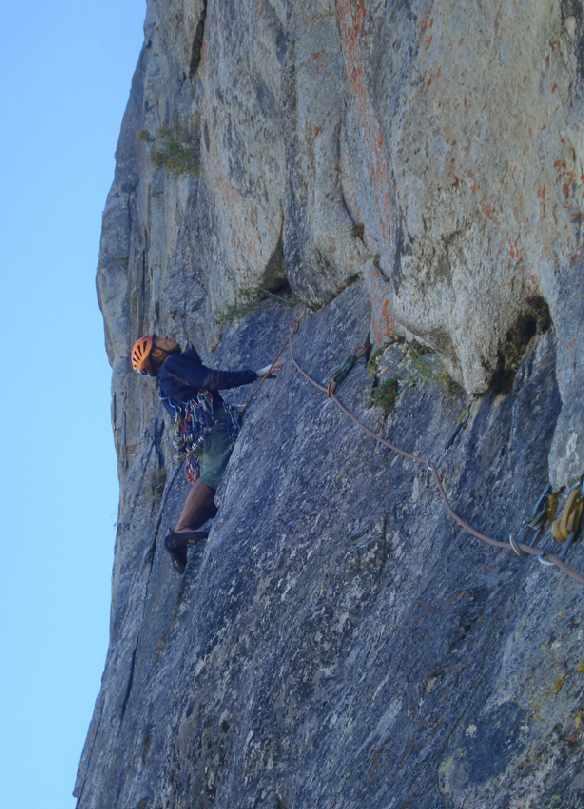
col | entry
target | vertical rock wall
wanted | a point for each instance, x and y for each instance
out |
(404, 169)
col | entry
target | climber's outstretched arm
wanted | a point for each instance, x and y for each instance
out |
(188, 370)
(223, 380)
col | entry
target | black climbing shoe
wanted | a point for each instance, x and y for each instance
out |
(177, 548)
(176, 544)
(193, 537)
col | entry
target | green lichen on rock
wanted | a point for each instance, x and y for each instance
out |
(145, 136)
(385, 395)
(158, 482)
(426, 367)
(373, 364)
(247, 302)
(172, 150)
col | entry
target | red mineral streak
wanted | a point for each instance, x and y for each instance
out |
(382, 319)
(351, 16)
(489, 210)
(514, 251)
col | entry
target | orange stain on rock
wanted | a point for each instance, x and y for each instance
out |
(388, 319)
(382, 321)
(541, 194)
(357, 73)
(514, 251)
(351, 15)
(489, 210)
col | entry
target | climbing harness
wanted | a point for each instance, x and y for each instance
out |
(193, 421)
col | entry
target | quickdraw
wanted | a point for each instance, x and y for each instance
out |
(567, 526)
(343, 371)
(542, 510)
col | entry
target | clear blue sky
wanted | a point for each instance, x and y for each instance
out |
(65, 72)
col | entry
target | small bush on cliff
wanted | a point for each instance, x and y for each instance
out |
(172, 151)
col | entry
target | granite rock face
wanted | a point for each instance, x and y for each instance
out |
(408, 171)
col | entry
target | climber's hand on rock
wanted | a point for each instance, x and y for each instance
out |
(271, 370)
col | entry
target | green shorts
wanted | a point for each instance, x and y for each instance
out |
(216, 450)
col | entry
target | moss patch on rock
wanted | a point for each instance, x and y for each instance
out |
(172, 150)
(385, 395)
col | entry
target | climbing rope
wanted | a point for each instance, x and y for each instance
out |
(345, 369)
(567, 523)
(293, 330)
(572, 515)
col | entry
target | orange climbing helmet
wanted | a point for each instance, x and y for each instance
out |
(141, 354)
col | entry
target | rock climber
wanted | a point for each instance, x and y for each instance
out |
(205, 426)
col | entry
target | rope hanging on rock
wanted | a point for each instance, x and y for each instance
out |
(343, 371)
(572, 517)
(550, 559)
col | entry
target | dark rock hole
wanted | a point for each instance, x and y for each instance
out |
(281, 287)
(198, 43)
(533, 322)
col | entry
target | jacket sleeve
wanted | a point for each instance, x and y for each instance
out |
(222, 380)
(190, 371)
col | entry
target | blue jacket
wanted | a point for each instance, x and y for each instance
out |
(182, 376)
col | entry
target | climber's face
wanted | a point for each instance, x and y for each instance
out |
(163, 346)
(167, 344)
